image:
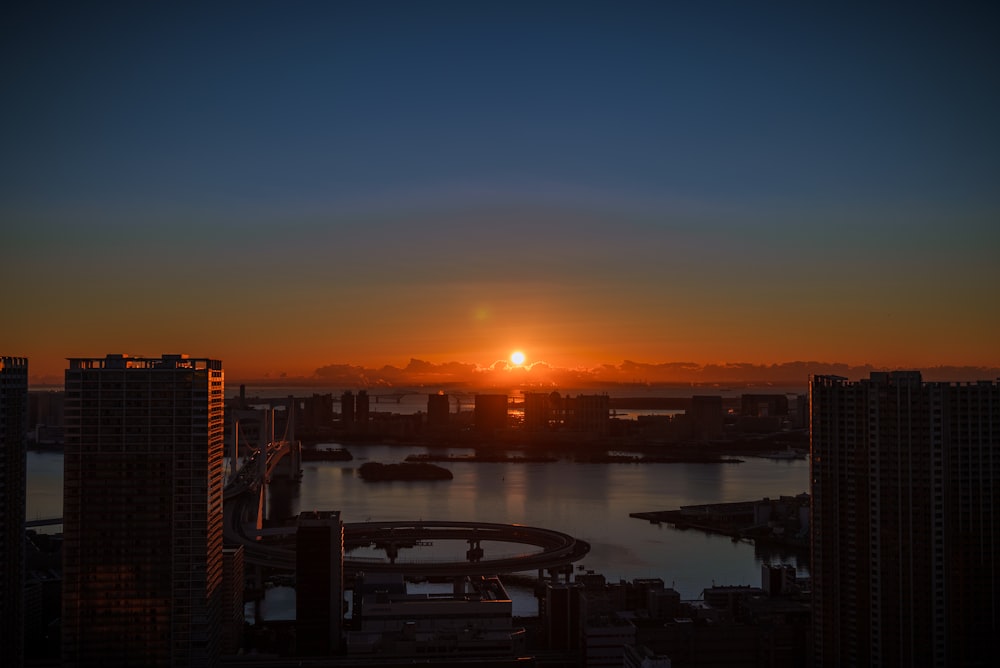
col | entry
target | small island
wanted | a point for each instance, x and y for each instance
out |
(377, 472)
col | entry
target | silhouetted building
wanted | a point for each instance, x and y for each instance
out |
(45, 416)
(347, 411)
(777, 579)
(562, 614)
(438, 410)
(355, 412)
(591, 413)
(362, 411)
(605, 640)
(474, 622)
(490, 412)
(584, 414)
(640, 656)
(729, 599)
(319, 582)
(800, 414)
(663, 603)
(232, 599)
(905, 521)
(537, 411)
(706, 417)
(142, 511)
(42, 601)
(764, 405)
(314, 414)
(13, 427)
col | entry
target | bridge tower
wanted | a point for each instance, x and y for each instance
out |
(289, 466)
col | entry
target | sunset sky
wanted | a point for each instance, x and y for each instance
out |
(288, 186)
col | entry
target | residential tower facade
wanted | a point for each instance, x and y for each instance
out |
(905, 521)
(13, 427)
(143, 511)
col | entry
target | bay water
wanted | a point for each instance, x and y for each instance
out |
(591, 502)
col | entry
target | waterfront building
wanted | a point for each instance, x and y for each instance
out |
(537, 411)
(362, 411)
(800, 414)
(313, 416)
(905, 521)
(347, 411)
(142, 512)
(13, 429)
(588, 414)
(705, 417)
(490, 412)
(355, 412)
(663, 603)
(438, 410)
(764, 405)
(591, 414)
(319, 582)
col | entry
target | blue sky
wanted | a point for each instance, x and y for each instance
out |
(595, 156)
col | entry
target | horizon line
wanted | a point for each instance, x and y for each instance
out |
(503, 373)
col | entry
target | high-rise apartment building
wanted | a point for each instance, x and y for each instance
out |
(13, 426)
(319, 582)
(905, 521)
(142, 512)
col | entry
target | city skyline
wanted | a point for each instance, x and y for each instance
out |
(506, 374)
(589, 184)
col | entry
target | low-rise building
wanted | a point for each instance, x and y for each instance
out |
(640, 656)
(605, 638)
(475, 619)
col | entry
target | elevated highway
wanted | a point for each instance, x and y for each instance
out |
(242, 508)
(557, 549)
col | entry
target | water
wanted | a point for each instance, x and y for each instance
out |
(588, 501)
(44, 494)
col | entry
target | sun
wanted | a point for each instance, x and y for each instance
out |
(517, 358)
